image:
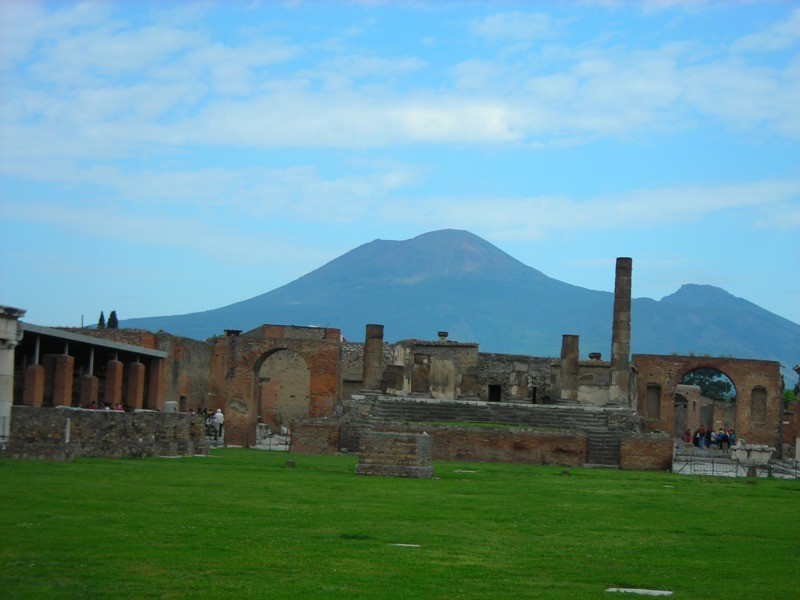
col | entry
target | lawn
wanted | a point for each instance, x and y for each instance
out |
(242, 524)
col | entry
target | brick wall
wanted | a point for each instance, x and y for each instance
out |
(395, 454)
(314, 436)
(500, 445)
(746, 375)
(646, 452)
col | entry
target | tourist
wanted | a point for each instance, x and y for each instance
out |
(701, 433)
(687, 437)
(722, 439)
(209, 422)
(219, 419)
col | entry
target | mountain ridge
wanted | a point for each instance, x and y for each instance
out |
(456, 281)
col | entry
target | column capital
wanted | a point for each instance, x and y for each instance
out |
(10, 327)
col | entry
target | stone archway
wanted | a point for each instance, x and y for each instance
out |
(755, 415)
(283, 388)
(710, 396)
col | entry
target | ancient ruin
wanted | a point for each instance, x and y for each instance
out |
(328, 395)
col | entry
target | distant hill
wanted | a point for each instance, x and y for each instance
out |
(457, 282)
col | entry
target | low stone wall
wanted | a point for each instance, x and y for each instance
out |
(63, 433)
(646, 452)
(395, 454)
(314, 436)
(510, 445)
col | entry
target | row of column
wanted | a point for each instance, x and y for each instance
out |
(54, 378)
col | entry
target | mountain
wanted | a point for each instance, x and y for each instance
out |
(457, 282)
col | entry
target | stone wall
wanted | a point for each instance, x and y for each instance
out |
(646, 452)
(521, 378)
(511, 445)
(395, 454)
(63, 433)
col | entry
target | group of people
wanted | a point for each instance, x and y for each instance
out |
(213, 421)
(708, 438)
(95, 406)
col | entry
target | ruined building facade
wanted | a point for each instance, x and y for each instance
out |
(327, 391)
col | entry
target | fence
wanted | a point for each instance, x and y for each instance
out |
(688, 464)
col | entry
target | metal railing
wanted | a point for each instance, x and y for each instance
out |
(689, 464)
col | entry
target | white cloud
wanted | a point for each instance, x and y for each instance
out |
(780, 36)
(537, 218)
(102, 88)
(515, 27)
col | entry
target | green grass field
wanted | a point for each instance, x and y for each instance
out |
(241, 524)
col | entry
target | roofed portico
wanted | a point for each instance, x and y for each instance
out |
(56, 367)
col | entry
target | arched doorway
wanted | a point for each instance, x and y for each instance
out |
(705, 397)
(283, 388)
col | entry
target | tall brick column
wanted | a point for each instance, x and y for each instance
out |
(33, 392)
(373, 357)
(90, 386)
(63, 374)
(135, 392)
(10, 335)
(569, 369)
(619, 392)
(113, 383)
(156, 387)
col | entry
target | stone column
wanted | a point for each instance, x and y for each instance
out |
(155, 388)
(113, 388)
(63, 374)
(10, 336)
(33, 392)
(569, 369)
(135, 392)
(619, 392)
(373, 358)
(90, 387)
(90, 384)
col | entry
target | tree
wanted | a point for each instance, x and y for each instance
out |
(101, 322)
(712, 383)
(113, 323)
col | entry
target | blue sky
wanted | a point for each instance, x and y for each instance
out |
(172, 157)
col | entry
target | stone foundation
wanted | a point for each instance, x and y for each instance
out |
(64, 433)
(395, 455)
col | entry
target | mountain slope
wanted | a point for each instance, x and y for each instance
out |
(455, 281)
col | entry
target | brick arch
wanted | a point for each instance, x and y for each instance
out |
(667, 371)
(282, 381)
(237, 360)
